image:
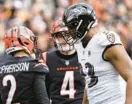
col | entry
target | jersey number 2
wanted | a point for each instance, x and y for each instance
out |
(68, 81)
(12, 89)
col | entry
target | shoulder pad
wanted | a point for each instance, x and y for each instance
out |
(108, 38)
(39, 67)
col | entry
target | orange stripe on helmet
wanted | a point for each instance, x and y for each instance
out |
(19, 37)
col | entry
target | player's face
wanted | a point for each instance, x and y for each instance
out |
(70, 37)
(76, 32)
(61, 42)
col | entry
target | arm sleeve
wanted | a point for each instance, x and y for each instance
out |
(0, 99)
(47, 81)
(40, 89)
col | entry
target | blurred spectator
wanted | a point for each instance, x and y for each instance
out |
(129, 47)
(2, 31)
(124, 31)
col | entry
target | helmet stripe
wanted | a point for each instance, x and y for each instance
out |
(12, 38)
(19, 39)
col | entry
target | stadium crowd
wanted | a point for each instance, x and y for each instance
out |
(38, 15)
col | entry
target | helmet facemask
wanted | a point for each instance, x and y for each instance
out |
(60, 43)
(79, 18)
(77, 30)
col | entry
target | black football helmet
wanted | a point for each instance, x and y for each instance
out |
(79, 18)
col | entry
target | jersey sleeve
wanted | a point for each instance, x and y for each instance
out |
(47, 81)
(0, 99)
(40, 89)
(108, 38)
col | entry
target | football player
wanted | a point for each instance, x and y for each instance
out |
(102, 56)
(65, 84)
(22, 77)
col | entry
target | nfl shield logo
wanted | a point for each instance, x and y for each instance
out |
(67, 62)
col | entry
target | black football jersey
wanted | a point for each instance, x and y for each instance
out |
(64, 81)
(16, 79)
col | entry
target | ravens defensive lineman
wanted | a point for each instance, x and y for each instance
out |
(64, 81)
(22, 78)
(102, 56)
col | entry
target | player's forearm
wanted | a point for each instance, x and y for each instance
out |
(85, 101)
(85, 97)
(129, 91)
